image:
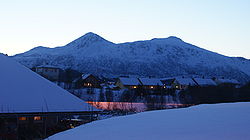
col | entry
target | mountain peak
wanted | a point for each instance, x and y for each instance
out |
(170, 40)
(88, 39)
(91, 35)
(174, 38)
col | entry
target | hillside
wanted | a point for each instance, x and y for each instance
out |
(160, 57)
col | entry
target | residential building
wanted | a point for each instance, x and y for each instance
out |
(151, 83)
(127, 82)
(87, 80)
(180, 83)
(50, 72)
(203, 82)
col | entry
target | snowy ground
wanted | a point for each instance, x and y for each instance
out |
(204, 122)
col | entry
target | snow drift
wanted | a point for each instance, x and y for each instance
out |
(203, 122)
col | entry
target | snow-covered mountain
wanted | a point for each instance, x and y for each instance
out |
(161, 57)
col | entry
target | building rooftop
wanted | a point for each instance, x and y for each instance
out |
(204, 82)
(29, 92)
(84, 76)
(47, 66)
(185, 81)
(232, 81)
(130, 81)
(151, 81)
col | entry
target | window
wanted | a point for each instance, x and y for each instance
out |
(87, 84)
(22, 118)
(37, 118)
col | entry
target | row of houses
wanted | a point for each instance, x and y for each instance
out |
(133, 83)
(89, 80)
(180, 83)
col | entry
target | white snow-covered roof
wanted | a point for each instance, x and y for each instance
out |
(23, 91)
(151, 81)
(204, 82)
(112, 86)
(185, 81)
(129, 81)
(230, 81)
(47, 66)
(204, 122)
(84, 76)
(75, 80)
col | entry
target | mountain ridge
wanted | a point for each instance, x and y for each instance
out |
(160, 57)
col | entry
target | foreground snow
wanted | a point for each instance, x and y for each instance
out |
(204, 122)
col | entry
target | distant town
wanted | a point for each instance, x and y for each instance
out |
(70, 79)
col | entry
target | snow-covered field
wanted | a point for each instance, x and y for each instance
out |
(204, 122)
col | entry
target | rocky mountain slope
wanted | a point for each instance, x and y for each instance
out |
(160, 57)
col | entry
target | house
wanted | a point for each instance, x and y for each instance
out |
(151, 83)
(87, 80)
(33, 102)
(168, 83)
(50, 72)
(127, 82)
(180, 83)
(109, 83)
(107, 80)
(203, 82)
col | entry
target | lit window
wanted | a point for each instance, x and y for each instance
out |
(134, 86)
(151, 86)
(71, 126)
(87, 84)
(37, 118)
(22, 118)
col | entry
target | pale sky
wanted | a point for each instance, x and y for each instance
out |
(221, 26)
